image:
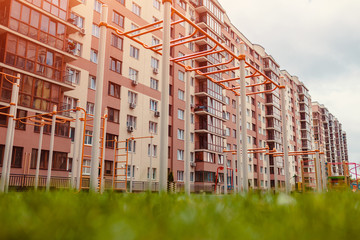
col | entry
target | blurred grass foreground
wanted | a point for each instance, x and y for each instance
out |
(67, 215)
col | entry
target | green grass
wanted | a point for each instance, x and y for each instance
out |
(67, 215)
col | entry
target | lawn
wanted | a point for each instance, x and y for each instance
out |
(67, 215)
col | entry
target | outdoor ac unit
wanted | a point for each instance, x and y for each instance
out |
(157, 114)
(132, 105)
(134, 82)
(155, 70)
(193, 164)
(82, 31)
(130, 128)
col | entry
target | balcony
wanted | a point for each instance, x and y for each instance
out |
(205, 146)
(74, 3)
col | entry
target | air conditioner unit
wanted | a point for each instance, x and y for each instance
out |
(157, 114)
(193, 164)
(155, 70)
(132, 105)
(130, 128)
(134, 82)
(82, 31)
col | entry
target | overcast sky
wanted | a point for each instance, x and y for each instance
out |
(316, 40)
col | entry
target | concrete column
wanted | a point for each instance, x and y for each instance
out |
(150, 167)
(234, 173)
(75, 160)
(164, 113)
(51, 150)
(266, 157)
(285, 140)
(187, 133)
(244, 146)
(5, 174)
(132, 169)
(79, 155)
(225, 173)
(238, 142)
(102, 187)
(39, 156)
(318, 170)
(95, 150)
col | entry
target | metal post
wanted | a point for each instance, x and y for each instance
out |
(238, 142)
(116, 153)
(234, 172)
(164, 117)
(39, 156)
(9, 135)
(102, 187)
(94, 169)
(267, 157)
(51, 150)
(187, 133)
(150, 167)
(225, 173)
(79, 155)
(275, 174)
(243, 119)
(323, 172)
(318, 171)
(132, 169)
(77, 139)
(285, 139)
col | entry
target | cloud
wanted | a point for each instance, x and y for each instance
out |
(318, 41)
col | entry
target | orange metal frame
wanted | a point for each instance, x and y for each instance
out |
(217, 48)
(126, 155)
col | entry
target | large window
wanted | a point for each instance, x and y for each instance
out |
(116, 41)
(136, 9)
(118, 19)
(154, 84)
(16, 160)
(33, 58)
(133, 74)
(56, 8)
(131, 121)
(153, 105)
(115, 65)
(113, 115)
(114, 90)
(38, 26)
(132, 97)
(134, 52)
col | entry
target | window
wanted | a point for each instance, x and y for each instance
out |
(88, 137)
(136, 9)
(95, 30)
(153, 127)
(180, 114)
(44, 157)
(114, 90)
(121, 1)
(155, 41)
(132, 146)
(133, 74)
(115, 65)
(108, 167)
(113, 115)
(181, 94)
(116, 41)
(72, 134)
(131, 171)
(180, 134)
(97, 6)
(154, 63)
(154, 84)
(59, 161)
(181, 75)
(153, 105)
(93, 56)
(134, 52)
(182, 4)
(69, 103)
(156, 4)
(90, 107)
(180, 154)
(75, 48)
(110, 140)
(131, 121)
(118, 19)
(77, 20)
(86, 167)
(73, 76)
(152, 151)
(92, 82)
(153, 173)
(180, 176)
(132, 97)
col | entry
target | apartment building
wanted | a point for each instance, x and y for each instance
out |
(330, 136)
(54, 46)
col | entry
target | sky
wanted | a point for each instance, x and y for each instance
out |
(316, 40)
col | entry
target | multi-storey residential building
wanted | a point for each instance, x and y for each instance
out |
(330, 136)
(54, 46)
